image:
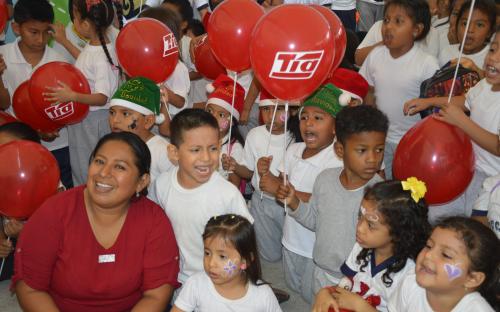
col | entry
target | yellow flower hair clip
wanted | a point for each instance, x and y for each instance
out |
(416, 187)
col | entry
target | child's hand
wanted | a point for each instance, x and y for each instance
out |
(414, 106)
(12, 227)
(268, 184)
(60, 94)
(263, 165)
(467, 63)
(5, 248)
(164, 95)
(324, 301)
(451, 114)
(58, 32)
(286, 195)
(228, 163)
(350, 301)
(3, 66)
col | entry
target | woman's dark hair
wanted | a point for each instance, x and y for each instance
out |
(189, 119)
(239, 232)
(21, 131)
(293, 125)
(483, 251)
(350, 49)
(142, 155)
(196, 27)
(185, 9)
(33, 10)
(168, 17)
(417, 10)
(487, 7)
(236, 134)
(101, 14)
(407, 223)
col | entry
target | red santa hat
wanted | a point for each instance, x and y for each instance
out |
(266, 99)
(221, 94)
(350, 82)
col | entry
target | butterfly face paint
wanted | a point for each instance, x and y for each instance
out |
(453, 271)
(283, 116)
(224, 124)
(230, 267)
(373, 217)
(133, 125)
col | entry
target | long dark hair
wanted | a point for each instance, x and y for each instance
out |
(238, 231)
(483, 251)
(407, 223)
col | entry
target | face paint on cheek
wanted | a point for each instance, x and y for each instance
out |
(373, 217)
(282, 117)
(133, 125)
(453, 271)
(230, 267)
(224, 124)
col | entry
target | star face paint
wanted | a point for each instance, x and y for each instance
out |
(453, 271)
(230, 267)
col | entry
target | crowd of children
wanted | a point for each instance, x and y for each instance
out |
(311, 185)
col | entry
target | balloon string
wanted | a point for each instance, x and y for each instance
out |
(270, 136)
(3, 260)
(461, 50)
(284, 147)
(231, 117)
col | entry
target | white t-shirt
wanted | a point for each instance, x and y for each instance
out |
(301, 174)
(19, 70)
(485, 111)
(374, 2)
(449, 52)
(159, 158)
(342, 5)
(102, 76)
(199, 295)
(178, 83)
(488, 203)
(368, 282)
(431, 43)
(440, 22)
(256, 147)
(244, 78)
(308, 2)
(410, 297)
(190, 209)
(397, 81)
(235, 151)
(197, 91)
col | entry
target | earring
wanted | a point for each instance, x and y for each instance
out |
(137, 194)
(243, 266)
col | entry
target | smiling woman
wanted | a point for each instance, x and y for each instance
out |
(100, 246)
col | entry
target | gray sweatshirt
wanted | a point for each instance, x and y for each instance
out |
(332, 212)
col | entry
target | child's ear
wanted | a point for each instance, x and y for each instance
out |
(417, 30)
(149, 121)
(474, 280)
(339, 149)
(15, 28)
(143, 182)
(173, 154)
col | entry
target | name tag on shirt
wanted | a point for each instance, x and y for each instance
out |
(106, 258)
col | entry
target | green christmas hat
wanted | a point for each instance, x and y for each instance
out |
(329, 98)
(141, 95)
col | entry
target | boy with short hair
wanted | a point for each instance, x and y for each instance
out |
(194, 191)
(18, 61)
(337, 193)
(135, 107)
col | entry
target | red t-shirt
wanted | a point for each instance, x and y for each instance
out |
(58, 253)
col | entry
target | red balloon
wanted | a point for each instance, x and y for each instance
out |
(338, 31)
(4, 15)
(6, 118)
(229, 32)
(24, 110)
(205, 61)
(146, 47)
(49, 75)
(440, 155)
(29, 175)
(289, 59)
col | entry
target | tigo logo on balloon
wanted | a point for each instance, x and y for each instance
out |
(169, 45)
(295, 65)
(60, 111)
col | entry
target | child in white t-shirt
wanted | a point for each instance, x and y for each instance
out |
(194, 191)
(481, 28)
(457, 271)
(135, 107)
(219, 105)
(263, 153)
(487, 206)
(392, 229)
(396, 69)
(231, 280)
(482, 126)
(97, 62)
